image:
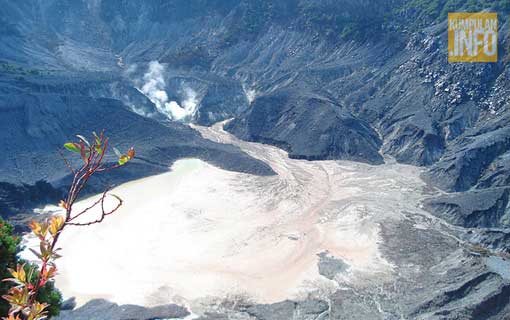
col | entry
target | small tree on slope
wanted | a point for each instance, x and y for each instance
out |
(28, 282)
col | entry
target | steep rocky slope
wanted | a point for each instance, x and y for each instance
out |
(308, 126)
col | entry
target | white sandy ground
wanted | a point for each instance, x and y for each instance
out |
(200, 232)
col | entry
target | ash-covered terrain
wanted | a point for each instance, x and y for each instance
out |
(363, 81)
(319, 240)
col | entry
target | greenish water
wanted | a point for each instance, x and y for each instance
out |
(185, 166)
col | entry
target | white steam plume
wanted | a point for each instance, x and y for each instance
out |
(250, 94)
(154, 88)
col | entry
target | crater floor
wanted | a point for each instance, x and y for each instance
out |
(200, 234)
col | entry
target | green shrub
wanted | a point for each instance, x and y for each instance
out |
(9, 246)
(50, 295)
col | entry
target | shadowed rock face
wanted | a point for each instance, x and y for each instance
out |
(102, 309)
(308, 127)
(17, 201)
(478, 208)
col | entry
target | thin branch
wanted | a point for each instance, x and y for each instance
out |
(68, 165)
(103, 215)
(91, 206)
(92, 163)
(109, 168)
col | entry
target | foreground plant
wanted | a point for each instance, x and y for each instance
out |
(28, 280)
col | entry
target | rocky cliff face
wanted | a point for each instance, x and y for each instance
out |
(308, 126)
(355, 80)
